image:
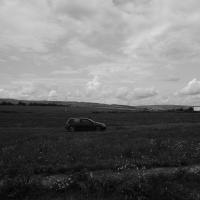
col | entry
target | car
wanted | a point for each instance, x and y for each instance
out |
(84, 124)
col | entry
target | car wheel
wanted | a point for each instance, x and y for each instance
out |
(71, 129)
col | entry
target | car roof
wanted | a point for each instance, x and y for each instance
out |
(78, 118)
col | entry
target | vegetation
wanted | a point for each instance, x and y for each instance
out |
(122, 163)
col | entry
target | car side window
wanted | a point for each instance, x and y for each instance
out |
(73, 121)
(86, 122)
(76, 121)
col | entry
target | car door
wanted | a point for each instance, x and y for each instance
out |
(77, 124)
(87, 125)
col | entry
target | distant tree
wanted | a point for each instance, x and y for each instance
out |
(190, 109)
(44, 104)
(6, 103)
(20, 103)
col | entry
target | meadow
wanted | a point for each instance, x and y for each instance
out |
(141, 155)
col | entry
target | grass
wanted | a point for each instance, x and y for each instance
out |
(33, 143)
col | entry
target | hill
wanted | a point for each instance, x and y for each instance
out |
(98, 106)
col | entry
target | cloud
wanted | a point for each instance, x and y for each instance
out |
(143, 93)
(90, 49)
(130, 95)
(2, 60)
(94, 84)
(80, 49)
(27, 26)
(3, 93)
(76, 9)
(100, 90)
(70, 73)
(119, 71)
(28, 90)
(167, 36)
(52, 95)
(14, 58)
(192, 88)
(172, 79)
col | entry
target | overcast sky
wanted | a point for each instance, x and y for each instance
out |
(111, 51)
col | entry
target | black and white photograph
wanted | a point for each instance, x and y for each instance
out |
(99, 100)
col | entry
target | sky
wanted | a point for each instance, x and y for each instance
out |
(134, 52)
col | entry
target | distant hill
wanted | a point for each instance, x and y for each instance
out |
(98, 106)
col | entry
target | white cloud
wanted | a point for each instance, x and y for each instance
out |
(119, 71)
(28, 90)
(52, 95)
(192, 88)
(143, 93)
(94, 84)
(130, 95)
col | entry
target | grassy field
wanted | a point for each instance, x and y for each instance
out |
(128, 161)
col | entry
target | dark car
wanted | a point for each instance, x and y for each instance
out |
(84, 124)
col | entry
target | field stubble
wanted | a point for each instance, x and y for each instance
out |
(33, 143)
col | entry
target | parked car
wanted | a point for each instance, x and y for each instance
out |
(84, 124)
